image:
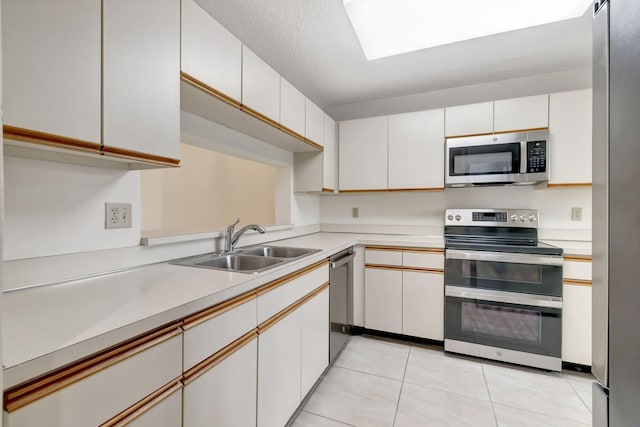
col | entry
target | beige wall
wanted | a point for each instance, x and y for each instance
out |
(207, 192)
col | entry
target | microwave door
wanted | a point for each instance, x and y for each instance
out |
(484, 164)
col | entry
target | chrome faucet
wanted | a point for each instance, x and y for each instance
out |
(232, 236)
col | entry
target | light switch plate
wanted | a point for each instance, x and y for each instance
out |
(117, 215)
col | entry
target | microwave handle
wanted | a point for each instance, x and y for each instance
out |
(504, 257)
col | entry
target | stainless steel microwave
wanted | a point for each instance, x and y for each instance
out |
(510, 158)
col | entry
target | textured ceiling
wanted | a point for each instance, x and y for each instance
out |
(312, 44)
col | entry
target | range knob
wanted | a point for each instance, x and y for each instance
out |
(450, 217)
(458, 217)
(514, 217)
(522, 218)
(532, 218)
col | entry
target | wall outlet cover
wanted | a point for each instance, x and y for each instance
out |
(355, 212)
(117, 215)
(576, 214)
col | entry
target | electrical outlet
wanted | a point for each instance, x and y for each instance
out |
(576, 214)
(355, 212)
(117, 215)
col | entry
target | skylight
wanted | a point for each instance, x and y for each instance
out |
(390, 27)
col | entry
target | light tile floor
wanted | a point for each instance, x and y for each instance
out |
(377, 382)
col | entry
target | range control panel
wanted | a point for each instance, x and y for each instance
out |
(492, 217)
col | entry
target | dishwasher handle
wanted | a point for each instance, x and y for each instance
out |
(342, 261)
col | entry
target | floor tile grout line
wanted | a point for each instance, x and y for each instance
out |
(328, 418)
(404, 374)
(541, 413)
(579, 397)
(486, 384)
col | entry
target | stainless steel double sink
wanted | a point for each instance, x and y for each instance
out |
(252, 259)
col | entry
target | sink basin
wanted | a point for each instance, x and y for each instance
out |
(253, 259)
(239, 262)
(276, 251)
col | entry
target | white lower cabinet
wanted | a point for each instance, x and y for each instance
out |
(225, 395)
(383, 299)
(166, 412)
(315, 340)
(576, 324)
(279, 370)
(423, 304)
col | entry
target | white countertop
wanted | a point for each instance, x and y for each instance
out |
(50, 326)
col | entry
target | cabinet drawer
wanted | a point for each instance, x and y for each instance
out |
(423, 259)
(96, 393)
(383, 257)
(580, 270)
(210, 331)
(278, 295)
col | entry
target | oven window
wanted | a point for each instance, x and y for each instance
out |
(480, 164)
(502, 322)
(488, 270)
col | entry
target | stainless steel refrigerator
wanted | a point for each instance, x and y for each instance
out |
(616, 213)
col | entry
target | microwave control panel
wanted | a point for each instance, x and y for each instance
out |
(536, 156)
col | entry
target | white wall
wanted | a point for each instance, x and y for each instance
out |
(427, 209)
(56, 208)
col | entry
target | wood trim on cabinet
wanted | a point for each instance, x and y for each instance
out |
(497, 133)
(283, 280)
(218, 309)
(314, 144)
(570, 185)
(291, 308)
(49, 139)
(578, 282)
(384, 267)
(128, 415)
(139, 156)
(424, 270)
(203, 87)
(328, 190)
(373, 190)
(425, 250)
(416, 189)
(578, 258)
(258, 115)
(27, 393)
(210, 362)
(383, 248)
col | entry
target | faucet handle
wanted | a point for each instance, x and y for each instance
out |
(232, 226)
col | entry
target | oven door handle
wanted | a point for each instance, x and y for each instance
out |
(506, 297)
(504, 257)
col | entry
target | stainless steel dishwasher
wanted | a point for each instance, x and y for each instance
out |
(340, 301)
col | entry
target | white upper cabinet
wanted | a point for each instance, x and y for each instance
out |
(314, 123)
(330, 155)
(570, 141)
(469, 119)
(51, 67)
(210, 53)
(530, 112)
(416, 150)
(292, 107)
(141, 85)
(260, 85)
(363, 154)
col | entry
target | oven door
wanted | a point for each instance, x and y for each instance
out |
(504, 271)
(469, 162)
(522, 323)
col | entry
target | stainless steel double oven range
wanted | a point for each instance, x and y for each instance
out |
(503, 288)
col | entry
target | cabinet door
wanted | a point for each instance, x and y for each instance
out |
(363, 154)
(260, 85)
(209, 52)
(226, 394)
(570, 139)
(423, 304)
(416, 150)
(314, 122)
(530, 112)
(383, 300)
(51, 66)
(315, 340)
(330, 155)
(469, 119)
(279, 357)
(141, 85)
(292, 107)
(576, 324)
